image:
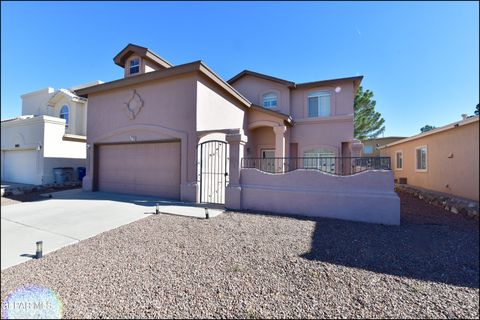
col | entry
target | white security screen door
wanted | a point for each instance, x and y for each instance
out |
(268, 164)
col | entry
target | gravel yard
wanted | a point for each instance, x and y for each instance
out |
(264, 266)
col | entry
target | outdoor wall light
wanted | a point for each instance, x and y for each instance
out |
(88, 146)
(338, 89)
(207, 216)
(39, 147)
(39, 252)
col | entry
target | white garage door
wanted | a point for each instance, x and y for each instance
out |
(20, 166)
(140, 168)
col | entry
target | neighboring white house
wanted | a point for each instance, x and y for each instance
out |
(49, 134)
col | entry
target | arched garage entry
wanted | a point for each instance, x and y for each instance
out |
(141, 159)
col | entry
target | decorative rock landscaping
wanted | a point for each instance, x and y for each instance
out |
(263, 266)
(25, 189)
(468, 208)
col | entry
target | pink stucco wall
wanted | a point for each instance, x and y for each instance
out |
(341, 102)
(328, 134)
(170, 111)
(307, 133)
(258, 139)
(366, 196)
(253, 88)
(216, 111)
(260, 131)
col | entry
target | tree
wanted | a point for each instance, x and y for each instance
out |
(426, 128)
(367, 122)
(476, 109)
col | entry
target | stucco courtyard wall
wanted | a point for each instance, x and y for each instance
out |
(366, 196)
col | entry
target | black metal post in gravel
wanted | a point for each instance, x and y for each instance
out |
(39, 252)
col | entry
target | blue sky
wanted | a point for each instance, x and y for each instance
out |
(420, 59)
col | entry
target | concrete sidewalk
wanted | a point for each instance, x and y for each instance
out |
(74, 215)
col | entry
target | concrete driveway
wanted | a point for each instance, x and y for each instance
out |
(74, 215)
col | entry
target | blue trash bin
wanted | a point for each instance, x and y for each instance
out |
(81, 172)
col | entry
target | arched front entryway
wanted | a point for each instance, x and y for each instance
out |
(267, 145)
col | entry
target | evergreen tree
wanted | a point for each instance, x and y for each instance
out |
(367, 122)
(426, 128)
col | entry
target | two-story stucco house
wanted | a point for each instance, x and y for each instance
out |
(145, 132)
(50, 133)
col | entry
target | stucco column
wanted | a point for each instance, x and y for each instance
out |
(87, 182)
(279, 147)
(233, 192)
(356, 148)
(189, 191)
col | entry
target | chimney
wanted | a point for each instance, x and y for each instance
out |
(464, 116)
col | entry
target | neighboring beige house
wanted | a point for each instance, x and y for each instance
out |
(370, 146)
(444, 159)
(143, 130)
(50, 133)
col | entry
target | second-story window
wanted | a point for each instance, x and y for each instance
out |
(319, 104)
(270, 100)
(64, 114)
(134, 66)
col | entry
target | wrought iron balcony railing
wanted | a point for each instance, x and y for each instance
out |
(334, 165)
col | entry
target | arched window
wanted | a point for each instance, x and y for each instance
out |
(270, 100)
(64, 114)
